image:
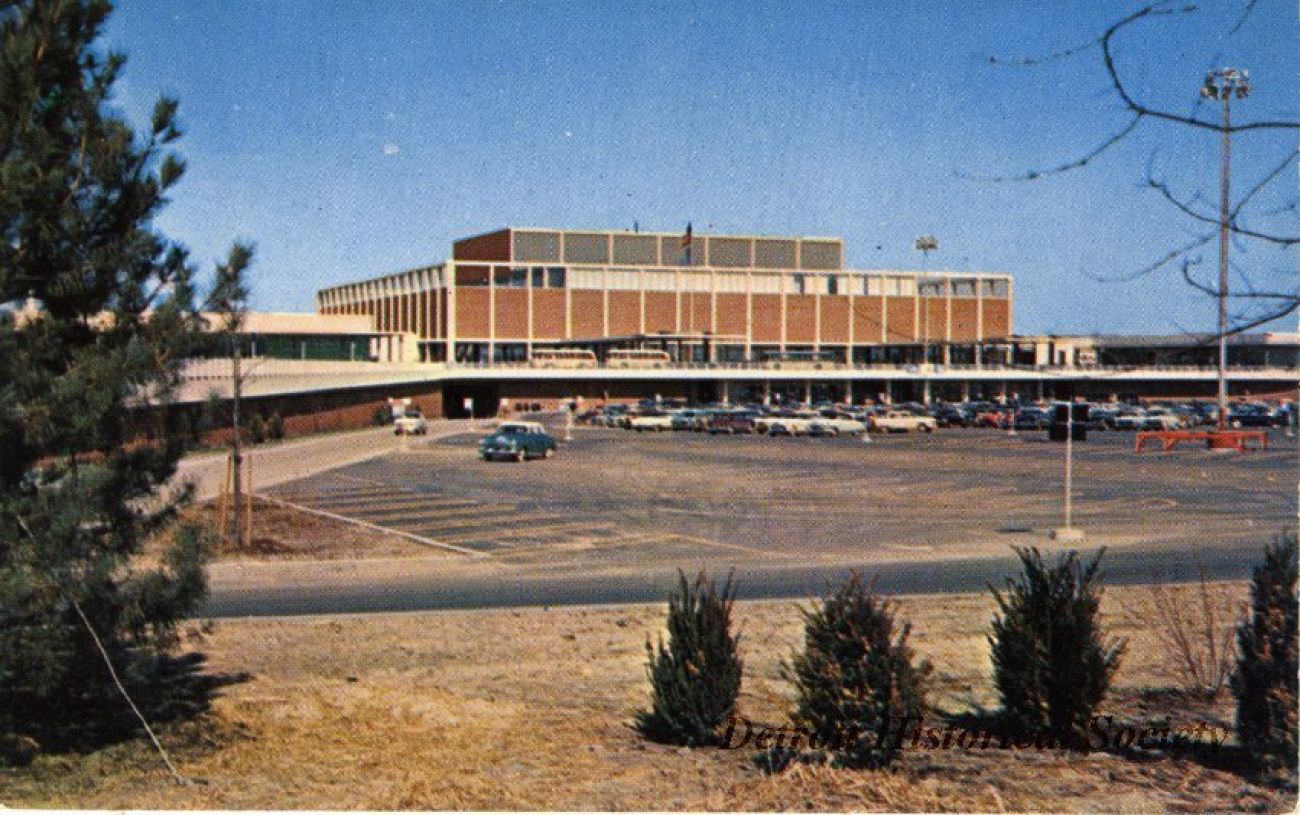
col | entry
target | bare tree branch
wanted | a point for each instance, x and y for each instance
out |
(1186, 207)
(1032, 175)
(1250, 294)
(1160, 263)
(1141, 110)
(1245, 15)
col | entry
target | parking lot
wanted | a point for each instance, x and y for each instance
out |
(615, 500)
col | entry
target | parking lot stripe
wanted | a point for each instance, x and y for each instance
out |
(419, 508)
(456, 529)
(435, 520)
(512, 532)
(376, 504)
(437, 544)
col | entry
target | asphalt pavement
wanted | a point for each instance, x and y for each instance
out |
(426, 593)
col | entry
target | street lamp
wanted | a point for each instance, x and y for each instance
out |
(1223, 85)
(925, 244)
(1068, 532)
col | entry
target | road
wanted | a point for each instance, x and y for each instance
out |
(345, 594)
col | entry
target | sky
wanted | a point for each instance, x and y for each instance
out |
(348, 139)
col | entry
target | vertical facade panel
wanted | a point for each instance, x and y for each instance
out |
(965, 320)
(731, 315)
(511, 314)
(997, 317)
(660, 311)
(935, 316)
(588, 313)
(624, 313)
(801, 319)
(766, 318)
(697, 313)
(548, 314)
(835, 320)
(901, 320)
(868, 318)
(471, 313)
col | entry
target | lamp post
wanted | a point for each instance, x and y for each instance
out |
(1223, 85)
(925, 244)
(1068, 533)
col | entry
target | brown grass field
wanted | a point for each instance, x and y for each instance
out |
(532, 709)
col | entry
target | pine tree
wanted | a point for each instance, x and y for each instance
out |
(1052, 662)
(859, 693)
(1265, 682)
(696, 676)
(113, 316)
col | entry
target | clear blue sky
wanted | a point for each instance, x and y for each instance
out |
(353, 139)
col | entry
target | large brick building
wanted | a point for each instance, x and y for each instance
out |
(709, 298)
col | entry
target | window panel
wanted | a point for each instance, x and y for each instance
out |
(537, 246)
(586, 247)
(636, 249)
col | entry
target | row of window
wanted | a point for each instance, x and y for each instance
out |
(558, 277)
(673, 250)
(479, 352)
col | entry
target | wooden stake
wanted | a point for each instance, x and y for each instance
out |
(248, 504)
(223, 504)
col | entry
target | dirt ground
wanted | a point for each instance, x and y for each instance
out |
(532, 709)
(285, 533)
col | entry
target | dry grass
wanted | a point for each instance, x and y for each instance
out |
(532, 709)
(1196, 625)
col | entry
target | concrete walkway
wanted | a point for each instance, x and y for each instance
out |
(291, 460)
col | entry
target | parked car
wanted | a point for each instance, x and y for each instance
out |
(733, 422)
(949, 415)
(787, 423)
(896, 421)
(688, 419)
(992, 417)
(1254, 415)
(1129, 418)
(1032, 418)
(517, 441)
(652, 420)
(1102, 417)
(410, 423)
(1162, 418)
(836, 423)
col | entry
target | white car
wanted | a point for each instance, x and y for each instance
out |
(895, 421)
(836, 425)
(795, 424)
(1161, 418)
(410, 423)
(653, 422)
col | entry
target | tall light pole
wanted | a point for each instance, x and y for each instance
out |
(1224, 84)
(925, 244)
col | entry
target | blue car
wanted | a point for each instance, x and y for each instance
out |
(517, 441)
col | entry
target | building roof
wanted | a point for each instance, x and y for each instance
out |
(280, 322)
(1162, 340)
